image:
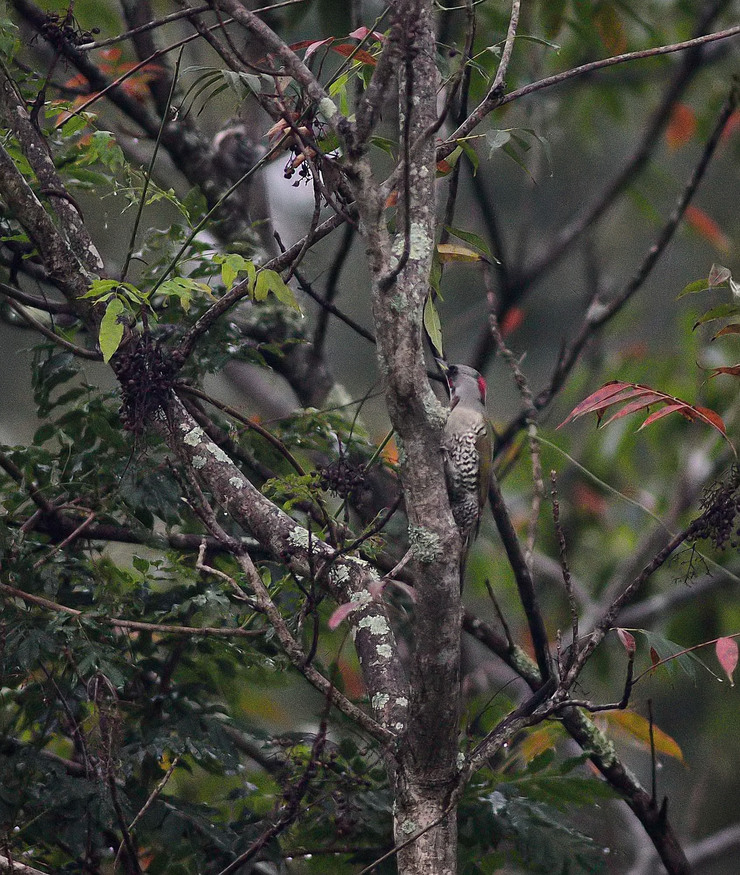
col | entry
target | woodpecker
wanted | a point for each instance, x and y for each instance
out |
(466, 448)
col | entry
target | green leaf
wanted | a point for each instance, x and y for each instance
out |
(232, 265)
(183, 288)
(472, 238)
(497, 140)
(433, 325)
(677, 659)
(385, 144)
(693, 288)
(470, 153)
(270, 281)
(722, 311)
(111, 329)
(102, 289)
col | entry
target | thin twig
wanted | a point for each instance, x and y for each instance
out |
(328, 307)
(560, 534)
(79, 351)
(498, 81)
(531, 415)
(133, 625)
(53, 307)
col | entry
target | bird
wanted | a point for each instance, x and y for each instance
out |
(467, 444)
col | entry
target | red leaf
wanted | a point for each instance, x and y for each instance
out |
(731, 370)
(636, 398)
(643, 401)
(654, 658)
(362, 32)
(726, 650)
(732, 328)
(681, 127)
(310, 46)
(628, 641)
(591, 404)
(589, 500)
(712, 418)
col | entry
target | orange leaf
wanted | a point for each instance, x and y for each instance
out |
(513, 318)
(540, 740)
(638, 729)
(589, 500)
(712, 418)
(456, 252)
(726, 650)
(610, 28)
(706, 227)
(111, 54)
(392, 199)
(733, 123)
(681, 127)
(390, 452)
(78, 81)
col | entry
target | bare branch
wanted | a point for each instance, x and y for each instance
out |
(494, 100)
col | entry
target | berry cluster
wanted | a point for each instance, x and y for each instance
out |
(721, 506)
(61, 29)
(145, 375)
(342, 477)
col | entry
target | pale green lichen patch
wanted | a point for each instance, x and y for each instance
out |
(384, 650)
(402, 702)
(237, 482)
(218, 454)
(523, 664)
(425, 544)
(420, 241)
(435, 412)
(199, 462)
(194, 436)
(599, 743)
(374, 625)
(328, 108)
(299, 537)
(398, 303)
(357, 560)
(339, 575)
(408, 827)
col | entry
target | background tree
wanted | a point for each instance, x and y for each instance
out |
(178, 569)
